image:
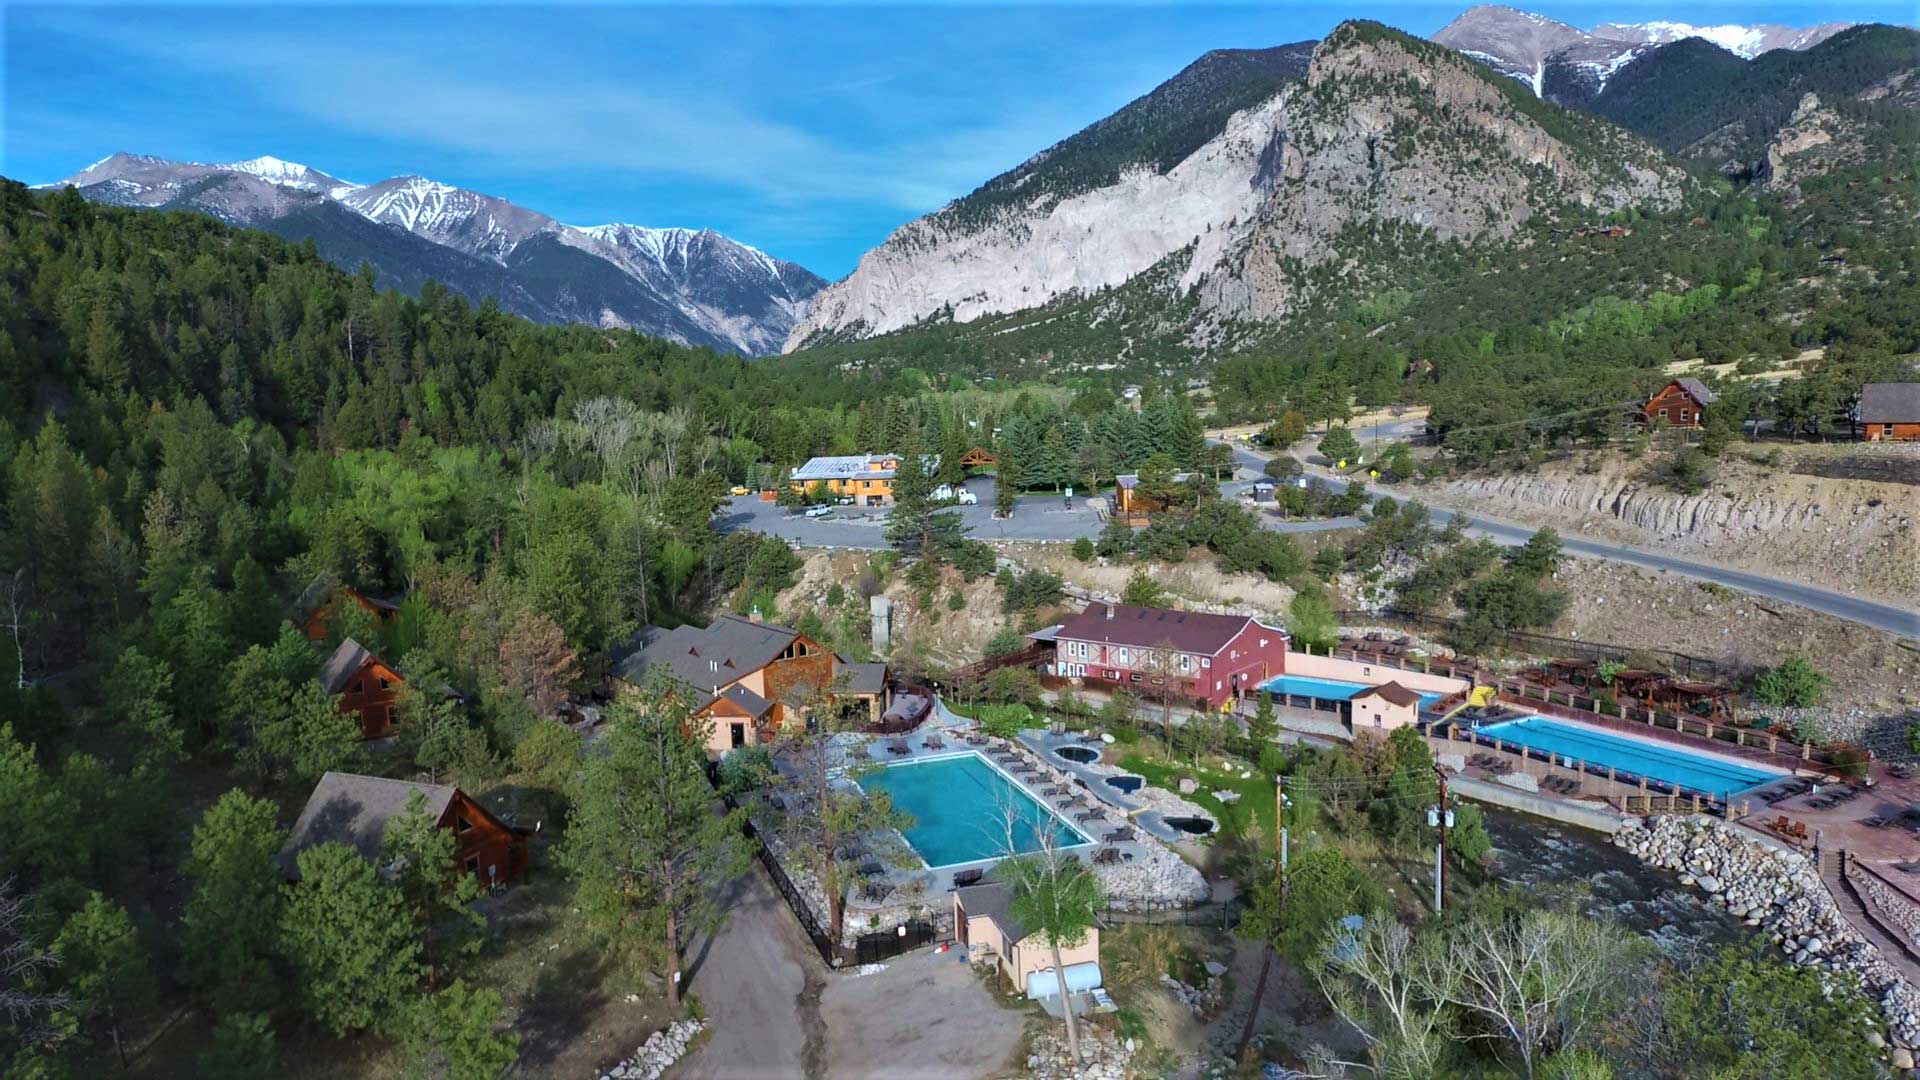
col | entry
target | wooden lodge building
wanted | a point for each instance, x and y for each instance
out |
(1682, 403)
(382, 609)
(354, 810)
(748, 675)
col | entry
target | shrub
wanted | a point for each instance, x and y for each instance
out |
(1794, 683)
(956, 601)
(1006, 721)
(1083, 549)
(1143, 591)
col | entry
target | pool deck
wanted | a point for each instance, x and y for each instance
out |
(946, 734)
(1093, 777)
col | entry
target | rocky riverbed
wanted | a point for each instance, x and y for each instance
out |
(1778, 893)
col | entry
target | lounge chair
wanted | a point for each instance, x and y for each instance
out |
(1088, 815)
(1106, 856)
(963, 878)
(877, 891)
(872, 868)
(933, 742)
(1124, 832)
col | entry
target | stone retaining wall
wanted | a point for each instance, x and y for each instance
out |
(1780, 893)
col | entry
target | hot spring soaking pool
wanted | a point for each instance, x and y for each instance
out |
(957, 802)
(1713, 776)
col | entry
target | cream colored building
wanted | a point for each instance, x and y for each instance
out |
(982, 922)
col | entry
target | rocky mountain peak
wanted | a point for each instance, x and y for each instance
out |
(1380, 132)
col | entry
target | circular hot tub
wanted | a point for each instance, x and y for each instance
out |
(1126, 784)
(1084, 755)
(1192, 826)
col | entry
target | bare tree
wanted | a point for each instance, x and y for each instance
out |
(26, 1008)
(1538, 980)
(1055, 896)
(16, 624)
(1382, 982)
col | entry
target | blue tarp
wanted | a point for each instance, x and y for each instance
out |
(1044, 983)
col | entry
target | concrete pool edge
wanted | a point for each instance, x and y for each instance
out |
(1014, 781)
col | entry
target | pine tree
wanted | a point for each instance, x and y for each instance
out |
(233, 914)
(644, 845)
(350, 941)
(437, 891)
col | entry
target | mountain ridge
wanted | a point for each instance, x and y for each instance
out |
(1399, 137)
(703, 289)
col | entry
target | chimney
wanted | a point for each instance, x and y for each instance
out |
(755, 616)
(1109, 612)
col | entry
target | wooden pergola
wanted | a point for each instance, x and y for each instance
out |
(977, 458)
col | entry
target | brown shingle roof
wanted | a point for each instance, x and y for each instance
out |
(1890, 403)
(354, 810)
(1391, 692)
(1698, 391)
(994, 900)
(1143, 627)
(346, 659)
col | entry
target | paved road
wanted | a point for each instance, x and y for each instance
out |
(1880, 616)
(760, 982)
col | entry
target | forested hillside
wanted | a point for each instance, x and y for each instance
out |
(204, 431)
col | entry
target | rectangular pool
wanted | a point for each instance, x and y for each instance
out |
(1328, 689)
(1712, 776)
(960, 808)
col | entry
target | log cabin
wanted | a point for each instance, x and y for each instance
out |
(1682, 403)
(1889, 412)
(363, 684)
(381, 608)
(346, 808)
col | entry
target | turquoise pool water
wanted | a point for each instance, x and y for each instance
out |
(1326, 689)
(1694, 772)
(957, 802)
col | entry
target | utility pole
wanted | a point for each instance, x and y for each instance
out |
(1440, 817)
(1280, 821)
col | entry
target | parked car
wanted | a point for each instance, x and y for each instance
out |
(739, 490)
(820, 511)
(966, 498)
(844, 500)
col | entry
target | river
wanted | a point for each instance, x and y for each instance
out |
(1550, 859)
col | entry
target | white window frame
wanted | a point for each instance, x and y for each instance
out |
(1206, 661)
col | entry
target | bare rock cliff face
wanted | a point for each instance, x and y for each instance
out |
(1384, 130)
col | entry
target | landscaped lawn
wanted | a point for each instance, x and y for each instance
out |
(1253, 812)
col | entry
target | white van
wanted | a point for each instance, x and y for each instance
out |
(966, 498)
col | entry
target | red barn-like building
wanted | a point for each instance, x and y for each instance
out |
(1208, 659)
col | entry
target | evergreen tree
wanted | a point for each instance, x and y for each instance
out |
(644, 845)
(103, 970)
(437, 891)
(917, 527)
(232, 916)
(350, 940)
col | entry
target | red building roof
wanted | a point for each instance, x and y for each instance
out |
(1144, 627)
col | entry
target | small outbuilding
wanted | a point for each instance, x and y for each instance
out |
(1385, 707)
(983, 922)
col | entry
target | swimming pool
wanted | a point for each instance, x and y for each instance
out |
(1328, 689)
(958, 802)
(1716, 777)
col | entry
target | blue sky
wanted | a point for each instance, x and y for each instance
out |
(809, 130)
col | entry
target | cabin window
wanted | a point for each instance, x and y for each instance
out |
(1123, 656)
(1886, 430)
(1206, 661)
(1135, 677)
(356, 687)
(472, 864)
(461, 824)
(1663, 414)
(385, 685)
(1684, 416)
(1186, 662)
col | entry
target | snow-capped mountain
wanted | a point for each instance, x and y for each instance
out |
(1745, 42)
(693, 286)
(1570, 66)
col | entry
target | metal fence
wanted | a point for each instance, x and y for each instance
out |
(1676, 663)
